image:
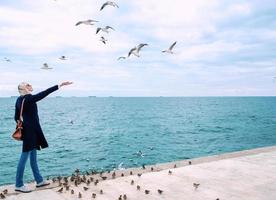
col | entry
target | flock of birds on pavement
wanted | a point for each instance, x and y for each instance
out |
(79, 183)
(90, 22)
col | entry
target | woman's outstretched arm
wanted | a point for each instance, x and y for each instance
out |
(43, 94)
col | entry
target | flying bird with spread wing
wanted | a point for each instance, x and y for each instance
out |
(121, 57)
(86, 22)
(105, 29)
(46, 66)
(7, 60)
(136, 50)
(170, 49)
(109, 3)
(62, 58)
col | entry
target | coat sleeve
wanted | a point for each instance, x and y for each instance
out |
(16, 114)
(41, 95)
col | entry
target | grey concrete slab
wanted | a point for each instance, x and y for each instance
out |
(248, 175)
(37, 195)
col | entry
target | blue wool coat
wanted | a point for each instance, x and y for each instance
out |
(32, 135)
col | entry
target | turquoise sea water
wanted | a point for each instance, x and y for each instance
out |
(108, 132)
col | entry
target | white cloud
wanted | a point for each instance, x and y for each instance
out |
(237, 9)
(209, 51)
(174, 20)
(49, 27)
(217, 41)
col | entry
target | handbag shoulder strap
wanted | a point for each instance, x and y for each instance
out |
(21, 110)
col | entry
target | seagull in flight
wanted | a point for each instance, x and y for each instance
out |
(109, 3)
(105, 29)
(170, 48)
(62, 58)
(86, 22)
(121, 57)
(7, 60)
(45, 66)
(135, 51)
(103, 40)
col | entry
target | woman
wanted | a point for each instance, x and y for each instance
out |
(32, 135)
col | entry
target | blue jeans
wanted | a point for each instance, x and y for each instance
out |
(21, 168)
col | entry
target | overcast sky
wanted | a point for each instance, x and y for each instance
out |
(224, 47)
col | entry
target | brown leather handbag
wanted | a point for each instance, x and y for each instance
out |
(17, 135)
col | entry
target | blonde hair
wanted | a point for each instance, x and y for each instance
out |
(22, 89)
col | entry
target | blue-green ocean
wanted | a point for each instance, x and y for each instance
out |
(105, 133)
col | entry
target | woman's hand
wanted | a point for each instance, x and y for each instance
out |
(65, 83)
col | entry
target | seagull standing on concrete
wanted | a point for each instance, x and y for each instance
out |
(45, 66)
(170, 49)
(105, 29)
(196, 185)
(109, 3)
(113, 175)
(86, 22)
(147, 191)
(135, 51)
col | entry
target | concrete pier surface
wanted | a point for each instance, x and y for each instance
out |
(244, 175)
